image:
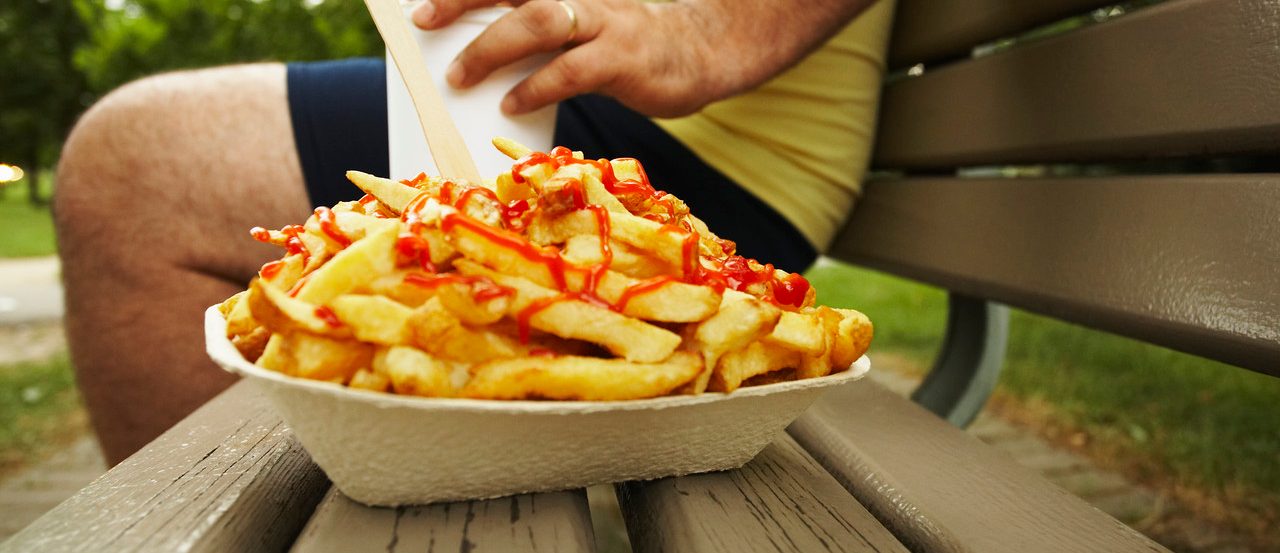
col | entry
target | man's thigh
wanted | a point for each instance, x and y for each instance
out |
(158, 186)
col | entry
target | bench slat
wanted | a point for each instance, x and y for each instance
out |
(555, 522)
(780, 501)
(1184, 261)
(1128, 89)
(928, 30)
(941, 490)
(231, 477)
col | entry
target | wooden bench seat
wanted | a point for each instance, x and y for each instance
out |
(231, 477)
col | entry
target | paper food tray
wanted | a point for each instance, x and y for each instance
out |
(384, 449)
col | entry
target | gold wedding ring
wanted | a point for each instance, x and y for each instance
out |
(573, 21)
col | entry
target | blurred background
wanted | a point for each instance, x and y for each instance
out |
(1183, 449)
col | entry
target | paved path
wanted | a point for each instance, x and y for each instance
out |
(27, 495)
(30, 290)
(30, 309)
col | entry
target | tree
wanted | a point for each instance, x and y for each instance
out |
(58, 56)
(43, 92)
(142, 37)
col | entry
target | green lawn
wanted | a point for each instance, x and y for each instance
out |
(25, 230)
(1164, 414)
(39, 410)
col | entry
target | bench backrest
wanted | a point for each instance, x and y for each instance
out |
(1188, 261)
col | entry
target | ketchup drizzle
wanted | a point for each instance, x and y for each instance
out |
(328, 316)
(483, 289)
(548, 257)
(639, 288)
(415, 247)
(271, 269)
(417, 181)
(329, 226)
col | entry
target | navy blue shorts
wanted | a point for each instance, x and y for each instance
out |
(339, 113)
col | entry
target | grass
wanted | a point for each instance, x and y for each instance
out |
(1160, 415)
(25, 230)
(39, 410)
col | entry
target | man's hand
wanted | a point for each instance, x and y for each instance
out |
(661, 59)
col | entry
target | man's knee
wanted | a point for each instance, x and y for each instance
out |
(139, 147)
(103, 159)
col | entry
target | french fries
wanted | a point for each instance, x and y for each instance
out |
(565, 279)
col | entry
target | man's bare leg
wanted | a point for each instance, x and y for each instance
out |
(156, 190)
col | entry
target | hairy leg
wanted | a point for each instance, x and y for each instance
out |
(156, 190)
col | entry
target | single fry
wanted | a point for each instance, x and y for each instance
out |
(580, 378)
(585, 250)
(392, 194)
(741, 319)
(756, 359)
(439, 332)
(511, 148)
(798, 331)
(373, 319)
(411, 371)
(821, 364)
(281, 313)
(473, 307)
(240, 319)
(252, 344)
(853, 338)
(316, 357)
(284, 273)
(364, 379)
(366, 259)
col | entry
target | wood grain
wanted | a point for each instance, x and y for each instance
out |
(1184, 261)
(553, 522)
(230, 477)
(1183, 78)
(929, 30)
(780, 501)
(941, 490)
(448, 150)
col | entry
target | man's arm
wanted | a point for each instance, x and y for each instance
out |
(661, 59)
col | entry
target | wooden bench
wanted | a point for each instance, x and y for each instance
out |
(1187, 261)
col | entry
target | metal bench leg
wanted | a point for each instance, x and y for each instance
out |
(967, 369)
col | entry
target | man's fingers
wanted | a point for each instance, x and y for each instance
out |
(566, 76)
(537, 26)
(434, 14)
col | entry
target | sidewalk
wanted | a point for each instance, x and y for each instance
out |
(30, 290)
(30, 309)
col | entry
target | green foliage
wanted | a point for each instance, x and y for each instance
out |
(58, 56)
(39, 409)
(41, 93)
(142, 37)
(25, 230)
(1209, 423)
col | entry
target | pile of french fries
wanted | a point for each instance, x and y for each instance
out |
(564, 279)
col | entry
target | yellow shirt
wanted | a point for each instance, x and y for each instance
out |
(801, 141)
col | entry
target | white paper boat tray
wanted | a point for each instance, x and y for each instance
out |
(383, 449)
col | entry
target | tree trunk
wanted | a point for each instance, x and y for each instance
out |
(33, 188)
